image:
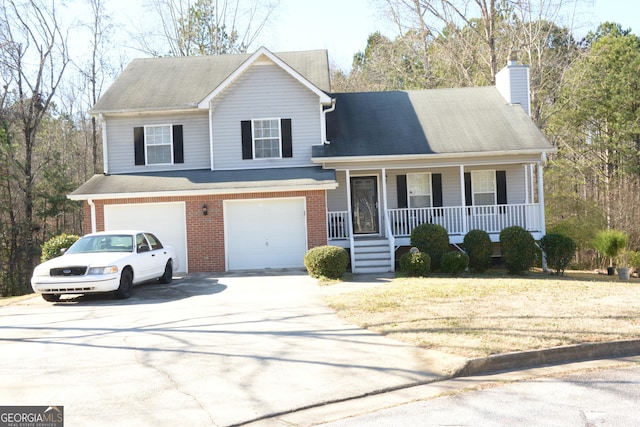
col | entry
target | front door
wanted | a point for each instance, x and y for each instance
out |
(364, 204)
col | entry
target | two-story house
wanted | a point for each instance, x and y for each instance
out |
(247, 161)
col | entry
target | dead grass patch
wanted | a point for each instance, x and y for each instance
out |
(475, 317)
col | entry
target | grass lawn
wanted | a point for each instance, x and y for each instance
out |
(497, 313)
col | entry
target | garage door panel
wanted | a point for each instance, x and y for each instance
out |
(265, 233)
(165, 220)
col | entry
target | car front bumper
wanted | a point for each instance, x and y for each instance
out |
(75, 285)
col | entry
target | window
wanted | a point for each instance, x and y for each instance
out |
(158, 144)
(419, 190)
(266, 139)
(483, 184)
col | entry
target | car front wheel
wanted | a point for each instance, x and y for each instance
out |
(167, 276)
(126, 283)
(51, 297)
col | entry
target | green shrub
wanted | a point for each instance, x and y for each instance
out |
(415, 264)
(559, 250)
(431, 239)
(609, 243)
(53, 247)
(479, 248)
(326, 261)
(454, 262)
(518, 249)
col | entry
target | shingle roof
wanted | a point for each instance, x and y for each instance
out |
(149, 84)
(441, 121)
(205, 181)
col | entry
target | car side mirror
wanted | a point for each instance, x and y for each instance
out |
(143, 248)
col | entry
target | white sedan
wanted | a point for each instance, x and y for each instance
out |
(109, 261)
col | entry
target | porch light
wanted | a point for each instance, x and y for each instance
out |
(205, 211)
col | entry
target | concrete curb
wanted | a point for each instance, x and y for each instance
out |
(549, 356)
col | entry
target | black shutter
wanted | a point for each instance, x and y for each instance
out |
(468, 198)
(247, 140)
(436, 187)
(178, 145)
(401, 182)
(287, 142)
(501, 187)
(138, 145)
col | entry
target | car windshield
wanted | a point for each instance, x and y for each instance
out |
(103, 243)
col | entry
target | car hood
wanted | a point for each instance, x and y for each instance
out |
(96, 259)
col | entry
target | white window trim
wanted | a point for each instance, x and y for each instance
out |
(473, 190)
(253, 137)
(146, 144)
(430, 194)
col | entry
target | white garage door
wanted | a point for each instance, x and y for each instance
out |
(265, 233)
(165, 220)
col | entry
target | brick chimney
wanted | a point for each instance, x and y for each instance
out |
(513, 84)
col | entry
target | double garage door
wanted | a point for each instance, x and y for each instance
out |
(259, 233)
(265, 233)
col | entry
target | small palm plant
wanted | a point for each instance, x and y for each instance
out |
(609, 243)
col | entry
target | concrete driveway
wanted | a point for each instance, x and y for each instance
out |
(206, 350)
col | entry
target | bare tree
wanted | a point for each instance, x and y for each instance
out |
(33, 55)
(204, 27)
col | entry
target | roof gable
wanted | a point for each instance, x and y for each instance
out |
(182, 83)
(264, 52)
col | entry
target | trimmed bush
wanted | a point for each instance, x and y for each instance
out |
(518, 249)
(431, 239)
(53, 247)
(416, 264)
(454, 262)
(326, 261)
(479, 248)
(559, 250)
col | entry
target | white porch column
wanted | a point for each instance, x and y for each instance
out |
(350, 221)
(462, 202)
(541, 198)
(541, 209)
(384, 196)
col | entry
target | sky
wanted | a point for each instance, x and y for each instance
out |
(343, 26)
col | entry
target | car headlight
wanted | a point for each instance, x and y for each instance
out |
(103, 270)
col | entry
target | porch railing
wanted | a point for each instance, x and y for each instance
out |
(456, 220)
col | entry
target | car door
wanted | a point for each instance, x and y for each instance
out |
(145, 259)
(159, 255)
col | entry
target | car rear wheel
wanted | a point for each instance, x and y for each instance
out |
(126, 283)
(51, 297)
(168, 274)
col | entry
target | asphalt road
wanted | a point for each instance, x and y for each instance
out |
(590, 398)
(206, 350)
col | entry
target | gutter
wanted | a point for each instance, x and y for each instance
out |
(324, 115)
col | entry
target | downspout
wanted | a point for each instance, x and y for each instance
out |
(93, 214)
(324, 120)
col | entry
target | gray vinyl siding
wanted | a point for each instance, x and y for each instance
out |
(264, 91)
(120, 149)
(337, 199)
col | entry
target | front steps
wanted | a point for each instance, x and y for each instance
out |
(371, 255)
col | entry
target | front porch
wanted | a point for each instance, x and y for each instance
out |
(373, 212)
(457, 220)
